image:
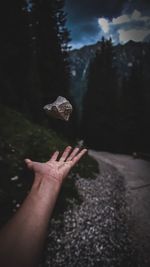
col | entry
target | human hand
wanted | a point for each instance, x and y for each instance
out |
(54, 169)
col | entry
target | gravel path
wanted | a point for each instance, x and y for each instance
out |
(96, 232)
(136, 173)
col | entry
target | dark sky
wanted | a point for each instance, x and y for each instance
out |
(123, 20)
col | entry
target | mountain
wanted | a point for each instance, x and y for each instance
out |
(124, 58)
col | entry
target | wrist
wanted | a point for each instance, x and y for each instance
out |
(45, 185)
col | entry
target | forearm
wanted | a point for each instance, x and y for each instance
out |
(22, 239)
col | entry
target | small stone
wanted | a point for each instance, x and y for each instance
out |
(60, 109)
(15, 178)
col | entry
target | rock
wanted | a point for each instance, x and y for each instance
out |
(80, 143)
(15, 178)
(60, 109)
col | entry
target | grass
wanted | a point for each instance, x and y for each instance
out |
(20, 139)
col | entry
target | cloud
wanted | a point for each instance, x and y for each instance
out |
(120, 20)
(89, 20)
(134, 35)
(134, 26)
(134, 17)
(104, 24)
(84, 12)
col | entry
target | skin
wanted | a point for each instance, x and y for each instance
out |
(22, 239)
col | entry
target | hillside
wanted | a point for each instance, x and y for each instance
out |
(124, 58)
(20, 139)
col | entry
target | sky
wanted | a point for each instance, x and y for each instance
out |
(122, 20)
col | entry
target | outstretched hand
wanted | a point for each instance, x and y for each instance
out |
(54, 169)
(28, 228)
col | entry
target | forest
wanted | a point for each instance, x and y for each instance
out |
(116, 108)
(35, 69)
(34, 72)
(112, 116)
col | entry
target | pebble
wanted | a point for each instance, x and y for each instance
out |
(95, 232)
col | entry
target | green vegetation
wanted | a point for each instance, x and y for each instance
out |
(22, 139)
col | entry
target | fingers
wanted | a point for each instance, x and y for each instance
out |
(54, 156)
(78, 156)
(29, 163)
(72, 155)
(65, 153)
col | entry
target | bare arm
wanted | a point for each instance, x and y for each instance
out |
(22, 239)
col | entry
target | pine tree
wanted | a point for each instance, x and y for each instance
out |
(51, 48)
(134, 110)
(99, 102)
(33, 54)
(14, 54)
(52, 44)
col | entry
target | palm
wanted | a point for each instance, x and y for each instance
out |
(57, 169)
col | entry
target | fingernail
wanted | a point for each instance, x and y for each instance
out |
(27, 160)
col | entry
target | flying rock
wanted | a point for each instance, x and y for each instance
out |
(60, 109)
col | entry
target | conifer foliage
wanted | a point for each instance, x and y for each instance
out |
(116, 109)
(33, 53)
(99, 108)
(133, 126)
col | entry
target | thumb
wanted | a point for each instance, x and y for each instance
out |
(29, 163)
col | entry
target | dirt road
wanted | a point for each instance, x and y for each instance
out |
(136, 173)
